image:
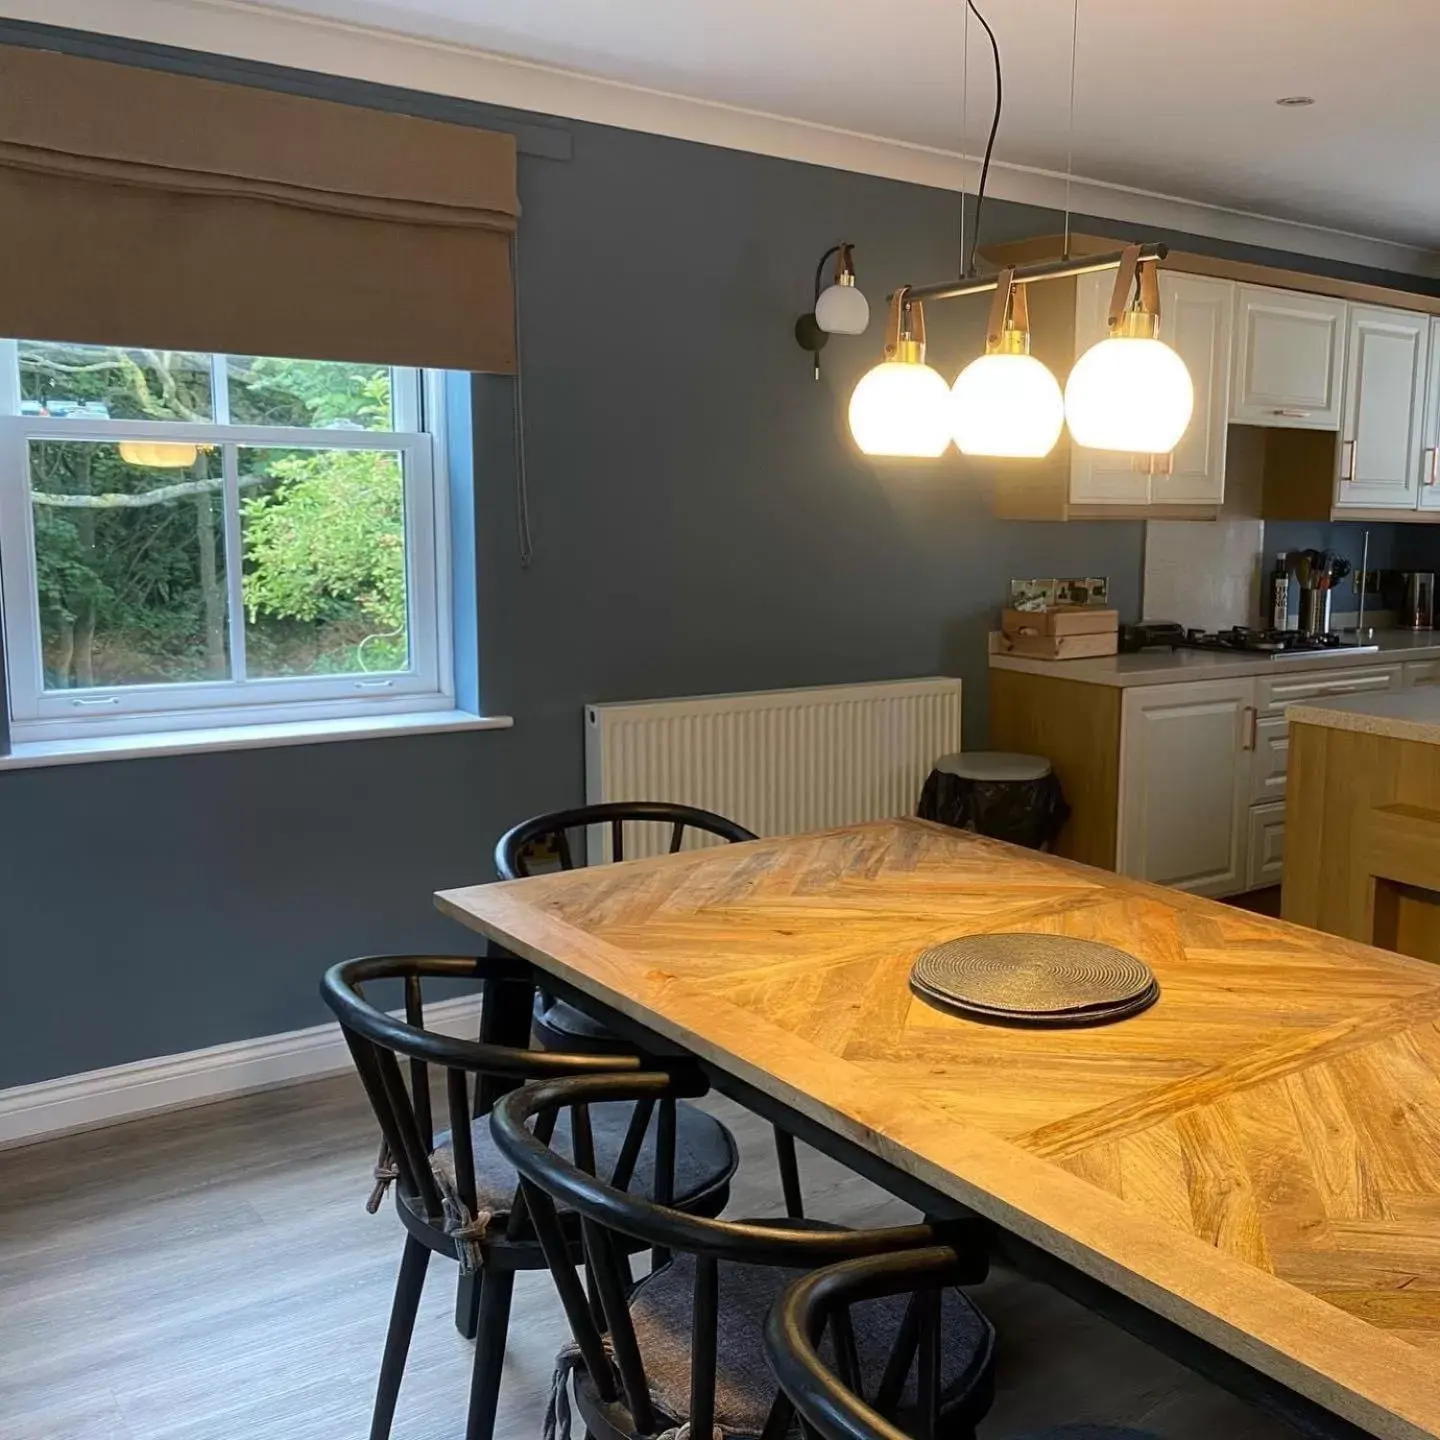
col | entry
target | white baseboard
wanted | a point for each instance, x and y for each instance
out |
(170, 1082)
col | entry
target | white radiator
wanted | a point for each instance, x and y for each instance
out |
(779, 762)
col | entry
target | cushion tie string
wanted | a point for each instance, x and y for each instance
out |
(385, 1174)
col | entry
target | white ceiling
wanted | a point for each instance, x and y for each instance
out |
(1172, 96)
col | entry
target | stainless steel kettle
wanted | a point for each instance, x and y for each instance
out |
(1419, 611)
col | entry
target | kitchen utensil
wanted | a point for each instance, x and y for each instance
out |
(1315, 603)
(1299, 561)
(1420, 599)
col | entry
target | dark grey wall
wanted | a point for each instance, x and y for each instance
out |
(701, 523)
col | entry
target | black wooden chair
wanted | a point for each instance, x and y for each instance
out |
(681, 1352)
(454, 1192)
(561, 1026)
(830, 1394)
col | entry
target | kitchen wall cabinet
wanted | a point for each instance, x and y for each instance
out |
(1180, 783)
(1430, 437)
(1196, 319)
(1342, 378)
(1383, 414)
(1184, 784)
(1067, 317)
(1289, 359)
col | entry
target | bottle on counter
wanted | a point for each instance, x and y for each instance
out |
(1278, 616)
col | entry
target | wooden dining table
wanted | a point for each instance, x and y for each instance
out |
(1247, 1173)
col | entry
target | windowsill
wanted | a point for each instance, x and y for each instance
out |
(32, 754)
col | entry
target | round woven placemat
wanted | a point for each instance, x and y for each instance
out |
(1050, 978)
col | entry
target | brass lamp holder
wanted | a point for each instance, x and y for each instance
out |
(905, 329)
(1138, 319)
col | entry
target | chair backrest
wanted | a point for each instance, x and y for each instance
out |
(831, 1402)
(609, 1212)
(379, 1043)
(512, 853)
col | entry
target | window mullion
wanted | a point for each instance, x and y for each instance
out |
(234, 576)
(220, 389)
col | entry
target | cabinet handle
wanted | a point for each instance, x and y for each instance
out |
(1430, 470)
(1294, 414)
(1252, 728)
(1347, 463)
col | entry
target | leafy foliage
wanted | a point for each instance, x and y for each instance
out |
(134, 591)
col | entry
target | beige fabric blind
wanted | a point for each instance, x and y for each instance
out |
(143, 208)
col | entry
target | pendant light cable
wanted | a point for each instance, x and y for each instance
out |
(964, 131)
(994, 130)
(1070, 127)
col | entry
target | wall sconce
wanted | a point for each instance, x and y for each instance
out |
(840, 309)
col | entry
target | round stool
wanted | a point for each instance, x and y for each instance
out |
(996, 793)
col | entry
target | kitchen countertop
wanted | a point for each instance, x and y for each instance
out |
(1399, 715)
(1166, 667)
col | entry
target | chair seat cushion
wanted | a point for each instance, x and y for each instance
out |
(745, 1389)
(705, 1154)
(567, 1019)
(1086, 1431)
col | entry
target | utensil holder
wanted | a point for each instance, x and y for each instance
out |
(1315, 611)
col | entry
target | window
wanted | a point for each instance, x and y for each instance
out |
(204, 540)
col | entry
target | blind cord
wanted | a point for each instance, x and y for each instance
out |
(522, 481)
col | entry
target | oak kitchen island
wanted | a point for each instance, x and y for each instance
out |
(1246, 1172)
(1174, 762)
(1363, 817)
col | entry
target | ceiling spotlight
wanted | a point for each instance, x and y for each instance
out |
(1295, 101)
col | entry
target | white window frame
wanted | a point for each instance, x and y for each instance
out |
(427, 685)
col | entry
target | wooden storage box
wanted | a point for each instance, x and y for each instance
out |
(1062, 620)
(1058, 647)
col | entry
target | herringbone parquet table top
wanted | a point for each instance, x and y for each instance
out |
(1256, 1157)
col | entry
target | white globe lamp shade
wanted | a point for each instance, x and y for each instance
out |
(1129, 393)
(901, 408)
(842, 310)
(1007, 405)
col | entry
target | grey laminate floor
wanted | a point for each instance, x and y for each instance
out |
(212, 1275)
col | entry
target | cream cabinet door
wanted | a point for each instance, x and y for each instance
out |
(1266, 845)
(1289, 359)
(1185, 777)
(1101, 477)
(1430, 441)
(1196, 314)
(1384, 409)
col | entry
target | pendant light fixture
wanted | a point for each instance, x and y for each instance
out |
(1006, 403)
(902, 406)
(1131, 392)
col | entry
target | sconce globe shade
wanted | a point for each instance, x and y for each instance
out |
(1007, 405)
(1130, 394)
(842, 310)
(158, 454)
(901, 408)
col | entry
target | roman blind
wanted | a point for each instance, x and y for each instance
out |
(144, 208)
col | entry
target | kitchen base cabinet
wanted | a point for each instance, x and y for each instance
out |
(1185, 784)
(1266, 845)
(1179, 783)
